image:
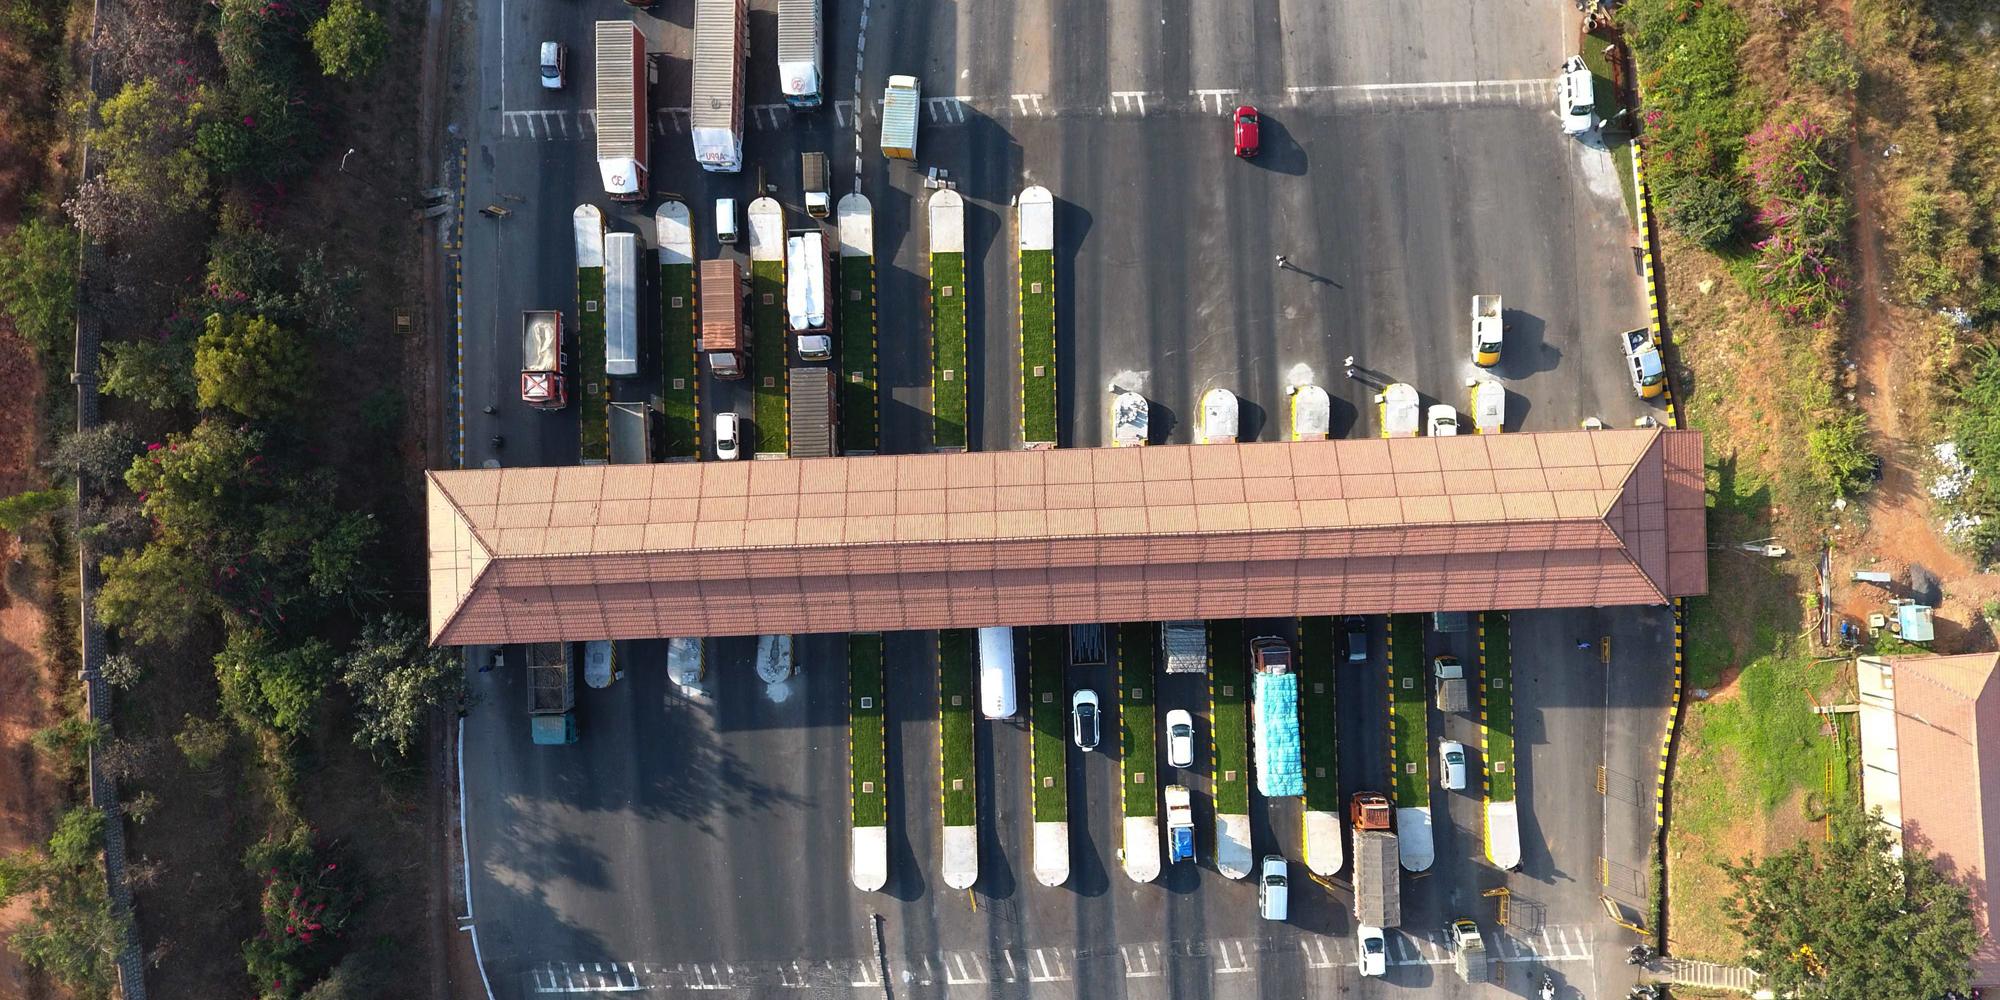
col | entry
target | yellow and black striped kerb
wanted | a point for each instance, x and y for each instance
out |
(1654, 321)
(1673, 710)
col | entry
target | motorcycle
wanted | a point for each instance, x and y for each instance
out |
(1548, 987)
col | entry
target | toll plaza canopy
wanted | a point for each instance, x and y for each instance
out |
(891, 542)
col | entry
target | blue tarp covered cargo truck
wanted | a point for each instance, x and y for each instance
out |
(1274, 705)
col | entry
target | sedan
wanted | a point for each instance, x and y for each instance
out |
(1246, 131)
(1180, 738)
(1451, 765)
(726, 431)
(1083, 718)
(1356, 627)
(1374, 950)
(555, 63)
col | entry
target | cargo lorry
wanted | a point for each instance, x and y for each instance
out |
(551, 693)
(1469, 951)
(900, 101)
(812, 174)
(1488, 328)
(1274, 716)
(715, 108)
(799, 46)
(808, 273)
(812, 413)
(724, 340)
(623, 162)
(1449, 676)
(542, 383)
(1180, 824)
(621, 305)
(1184, 646)
(631, 433)
(1378, 900)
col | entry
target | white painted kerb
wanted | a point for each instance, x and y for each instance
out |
(1232, 845)
(676, 233)
(947, 214)
(1142, 848)
(1503, 834)
(961, 856)
(857, 226)
(589, 236)
(1323, 853)
(767, 230)
(1051, 853)
(1413, 838)
(871, 858)
(1038, 219)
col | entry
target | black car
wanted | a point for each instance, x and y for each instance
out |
(1356, 629)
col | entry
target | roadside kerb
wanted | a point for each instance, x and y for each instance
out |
(1036, 226)
(1409, 742)
(680, 384)
(1138, 757)
(958, 786)
(1229, 736)
(946, 213)
(1321, 820)
(1496, 740)
(868, 787)
(860, 406)
(587, 379)
(1048, 764)
(770, 347)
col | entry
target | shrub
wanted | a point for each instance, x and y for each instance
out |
(1709, 211)
(265, 683)
(1699, 107)
(1824, 58)
(68, 743)
(71, 935)
(78, 837)
(97, 455)
(38, 266)
(308, 904)
(121, 671)
(23, 509)
(1800, 263)
(155, 595)
(155, 372)
(398, 679)
(202, 741)
(251, 365)
(145, 134)
(350, 40)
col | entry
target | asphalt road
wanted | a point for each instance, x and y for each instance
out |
(1411, 161)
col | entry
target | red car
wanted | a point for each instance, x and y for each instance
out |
(1246, 131)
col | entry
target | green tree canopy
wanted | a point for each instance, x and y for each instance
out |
(146, 135)
(267, 683)
(155, 373)
(350, 40)
(38, 263)
(398, 679)
(1844, 920)
(198, 486)
(250, 365)
(155, 595)
(23, 509)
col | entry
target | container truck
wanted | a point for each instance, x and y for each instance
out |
(715, 110)
(622, 157)
(812, 174)
(551, 694)
(799, 46)
(807, 275)
(1274, 706)
(812, 412)
(1378, 900)
(631, 433)
(1184, 646)
(1180, 824)
(900, 100)
(621, 305)
(1488, 328)
(724, 340)
(542, 384)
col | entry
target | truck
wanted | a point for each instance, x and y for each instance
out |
(1399, 408)
(1274, 707)
(551, 694)
(1184, 646)
(1378, 899)
(812, 175)
(715, 107)
(1488, 328)
(1180, 824)
(631, 433)
(622, 158)
(621, 305)
(808, 273)
(812, 413)
(799, 46)
(1642, 360)
(542, 383)
(1449, 676)
(900, 100)
(724, 341)
(1469, 951)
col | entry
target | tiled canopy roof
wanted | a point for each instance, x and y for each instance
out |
(889, 542)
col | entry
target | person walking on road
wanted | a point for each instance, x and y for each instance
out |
(1284, 261)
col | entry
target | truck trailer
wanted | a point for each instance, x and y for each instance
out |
(622, 157)
(900, 100)
(799, 46)
(551, 693)
(621, 305)
(812, 175)
(542, 383)
(724, 340)
(1378, 900)
(812, 413)
(715, 111)
(631, 433)
(807, 275)
(1184, 646)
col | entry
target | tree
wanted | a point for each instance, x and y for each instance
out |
(1847, 921)
(250, 365)
(146, 135)
(38, 263)
(350, 40)
(265, 683)
(71, 933)
(157, 373)
(23, 509)
(97, 455)
(199, 487)
(155, 595)
(398, 679)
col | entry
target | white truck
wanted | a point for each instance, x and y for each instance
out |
(1400, 410)
(621, 305)
(900, 102)
(715, 110)
(1449, 676)
(1642, 360)
(806, 278)
(799, 46)
(1469, 951)
(1180, 824)
(623, 160)
(812, 172)
(542, 384)
(1488, 329)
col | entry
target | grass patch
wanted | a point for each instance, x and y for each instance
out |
(1045, 694)
(859, 406)
(1229, 727)
(680, 417)
(1409, 712)
(1317, 654)
(1617, 140)
(959, 784)
(1136, 722)
(1038, 345)
(769, 355)
(592, 401)
(948, 373)
(1496, 705)
(868, 792)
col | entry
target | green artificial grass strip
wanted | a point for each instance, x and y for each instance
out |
(1048, 714)
(949, 377)
(1228, 714)
(860, 406)
(959, 780)
(1318, 726)
(587, 379)
(869, 787)
(1139, 760)
(1038, 346)
(770, 352)
(1409, 711)
(679, 380)
(1496, 707)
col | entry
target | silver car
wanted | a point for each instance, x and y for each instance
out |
(1451, 765)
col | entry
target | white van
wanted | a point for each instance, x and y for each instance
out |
(1272, 888)
(996, 672)
(725, 220)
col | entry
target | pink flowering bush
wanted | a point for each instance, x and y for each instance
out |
(1792, 164)
(308, 904)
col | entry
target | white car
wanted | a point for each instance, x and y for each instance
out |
(1576, 97)
(1273, 888)
(1373, 952)
(727, 436)
(1083, 717)
(1180, 738)
(1443, 421)
(1451, 765)
(555, 61)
